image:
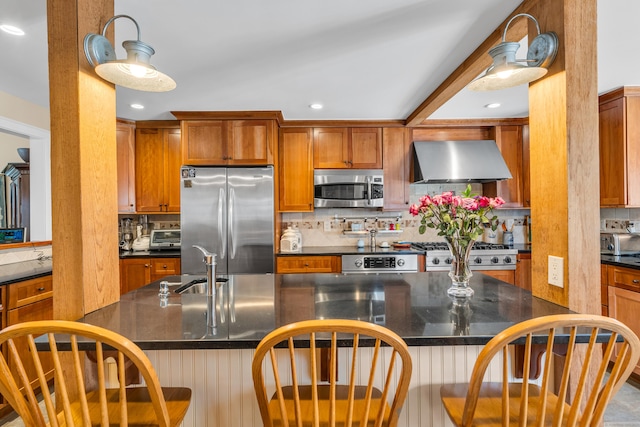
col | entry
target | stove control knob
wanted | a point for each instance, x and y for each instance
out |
(436, 261)
(610, 246)
(358, 263)
(478, 260)
(494, 260)
(508, 260)
(447, 260)
(400, 262)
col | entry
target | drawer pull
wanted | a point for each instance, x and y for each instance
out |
(40, 289)
(635, 281)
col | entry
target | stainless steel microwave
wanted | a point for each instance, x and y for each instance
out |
(348, 188)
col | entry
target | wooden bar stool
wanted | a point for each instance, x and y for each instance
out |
(147, 405)
(509, 403)
(372, 390)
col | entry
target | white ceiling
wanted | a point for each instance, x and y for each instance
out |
(362, 59)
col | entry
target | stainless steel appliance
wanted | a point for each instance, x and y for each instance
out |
(348, 188)
(484, 256)
(619, 243)
(167, 239)
(228, 211)
(380, 263)
(458, 161)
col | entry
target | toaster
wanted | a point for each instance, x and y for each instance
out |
(619, 243)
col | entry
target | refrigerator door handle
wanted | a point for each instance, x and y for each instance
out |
(232, 225)
(222, 230)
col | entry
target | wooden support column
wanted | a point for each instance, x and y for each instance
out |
(563, 123)
(83, 163)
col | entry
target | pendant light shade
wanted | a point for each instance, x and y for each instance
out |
(507, 71)
(134, 72)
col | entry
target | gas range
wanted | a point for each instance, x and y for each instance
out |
(484, 256)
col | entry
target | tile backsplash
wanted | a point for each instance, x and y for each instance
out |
(330, 227)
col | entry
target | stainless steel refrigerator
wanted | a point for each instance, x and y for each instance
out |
(228, 211)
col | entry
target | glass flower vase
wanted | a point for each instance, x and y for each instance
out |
(460, 272)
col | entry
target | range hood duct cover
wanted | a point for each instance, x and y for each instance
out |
(458, 161)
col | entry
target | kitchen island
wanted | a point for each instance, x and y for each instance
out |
(444, 338)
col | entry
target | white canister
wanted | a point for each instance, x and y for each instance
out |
(490, 236)
(298, 234)
(289, 241)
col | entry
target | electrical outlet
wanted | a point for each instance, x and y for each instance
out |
(556, 271)
(327, 226)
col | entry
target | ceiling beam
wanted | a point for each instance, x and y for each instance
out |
(471, 67)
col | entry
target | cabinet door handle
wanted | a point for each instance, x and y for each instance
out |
(147, 265)
(40, 289)
(635, 281)
(164, 266)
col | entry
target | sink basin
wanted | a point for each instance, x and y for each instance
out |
(197, 286)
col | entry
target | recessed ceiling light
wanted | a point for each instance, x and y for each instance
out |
(137, 106)
(493, 105)
(12, 30)
(316, 106)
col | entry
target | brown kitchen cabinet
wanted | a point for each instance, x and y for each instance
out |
(508, 276)
(228, 142)
(344, 148)
(396, 144)
(604, 290)
(295, 170)
(27, 301)
(523, 271)
(513, 142)
(619, 124)
(157, 169)
(125, 148)
(623, 297)
(309, 264)
(138, 272)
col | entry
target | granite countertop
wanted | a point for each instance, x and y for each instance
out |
(622, 261)
(348, 250)
(414, 305)
(173, 253)
(19, 271)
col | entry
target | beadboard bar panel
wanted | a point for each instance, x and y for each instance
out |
(223, 394)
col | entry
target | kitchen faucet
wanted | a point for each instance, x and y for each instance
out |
(210, 261)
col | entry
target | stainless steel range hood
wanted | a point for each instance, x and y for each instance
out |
(457, 161)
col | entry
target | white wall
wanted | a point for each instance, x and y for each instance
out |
(24, 118)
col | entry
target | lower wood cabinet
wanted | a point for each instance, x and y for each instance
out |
(309, 264)
(523, 271)
(137, 272)
(27, 301)
(622, 288)
(624, 305)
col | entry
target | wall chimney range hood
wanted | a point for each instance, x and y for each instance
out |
(458, 162)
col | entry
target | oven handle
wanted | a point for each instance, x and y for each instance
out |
(369, 189)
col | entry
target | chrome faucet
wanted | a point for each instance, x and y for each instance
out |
(210, 261)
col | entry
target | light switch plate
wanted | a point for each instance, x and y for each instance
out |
(556, 271)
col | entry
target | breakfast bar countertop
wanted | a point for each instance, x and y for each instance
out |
(248, 307)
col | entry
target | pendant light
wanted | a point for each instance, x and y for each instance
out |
(507, 71)
(135, 72)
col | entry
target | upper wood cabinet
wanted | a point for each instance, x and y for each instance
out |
(228, 142)
(619, 121)
(125, 147)
(343, 148)
(510, 141)
(295, 170)
(396, 144)
(158, 163)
